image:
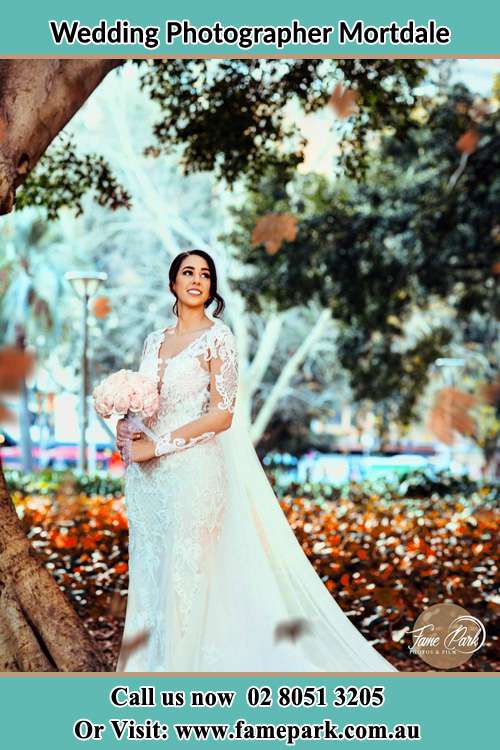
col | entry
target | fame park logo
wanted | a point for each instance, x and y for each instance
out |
(446, 635)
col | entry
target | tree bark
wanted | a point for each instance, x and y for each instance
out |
(39, 629)
(37, 99)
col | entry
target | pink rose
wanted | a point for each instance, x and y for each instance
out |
(135, 403)
(121, 404)
(125, 391)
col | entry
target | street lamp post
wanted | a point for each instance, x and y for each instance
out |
(85, 284)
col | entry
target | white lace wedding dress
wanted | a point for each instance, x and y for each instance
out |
(214, 566)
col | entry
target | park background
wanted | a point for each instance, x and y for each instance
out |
(352, 210)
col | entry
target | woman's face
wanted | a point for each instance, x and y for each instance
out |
(192, 283)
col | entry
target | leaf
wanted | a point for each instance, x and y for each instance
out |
(467, 143)
(291, 630)
(132, 644)
(101, 307)
(15, 365)
(343, 101)
(272, 229)
(449, 414)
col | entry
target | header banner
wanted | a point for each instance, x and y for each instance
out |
(260, 29)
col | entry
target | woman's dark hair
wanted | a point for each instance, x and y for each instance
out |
(213, 294)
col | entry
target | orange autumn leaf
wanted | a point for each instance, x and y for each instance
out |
(344, 579)
(15, 365)
(101, 307)
(495, 268)
(449, 414)
(343, 101)
(467, 143)
(273, 229)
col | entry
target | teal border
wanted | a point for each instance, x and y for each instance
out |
(24, 29)
(455, 711)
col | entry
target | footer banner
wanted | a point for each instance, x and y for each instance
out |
(290, 710)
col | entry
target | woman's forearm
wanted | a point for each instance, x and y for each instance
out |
(193, 433)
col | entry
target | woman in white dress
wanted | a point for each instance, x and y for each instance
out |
(217, 578)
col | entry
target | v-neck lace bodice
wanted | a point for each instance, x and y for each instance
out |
(184, 381)
(166, 360)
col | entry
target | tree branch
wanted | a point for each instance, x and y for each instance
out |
(286, 375)
(37, 99)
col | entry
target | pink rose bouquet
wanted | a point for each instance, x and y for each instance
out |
(128, 394)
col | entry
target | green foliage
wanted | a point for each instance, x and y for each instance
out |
(230, 116)
(375, 252)
(50, 481)
(62, 178)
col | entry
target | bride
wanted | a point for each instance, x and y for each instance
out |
(217, 578)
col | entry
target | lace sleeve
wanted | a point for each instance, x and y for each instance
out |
(223, 363)
(224, 371)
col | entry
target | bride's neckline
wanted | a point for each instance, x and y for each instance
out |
(165, 360)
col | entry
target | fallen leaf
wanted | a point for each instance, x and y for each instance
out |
(343, 101)
(101, 307)
(291, 629)
(132, 644)
(467, 143)
(15, 365)
(273, 229)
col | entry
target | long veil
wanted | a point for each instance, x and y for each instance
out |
(263, 581)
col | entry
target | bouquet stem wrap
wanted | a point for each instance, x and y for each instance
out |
(136, 424)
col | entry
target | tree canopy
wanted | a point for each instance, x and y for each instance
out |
(229, 116)
(423, 226)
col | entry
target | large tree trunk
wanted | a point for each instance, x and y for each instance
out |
(39, 629)
(37, 99)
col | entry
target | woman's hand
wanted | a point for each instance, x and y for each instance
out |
(142, 450)
(124, 434)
